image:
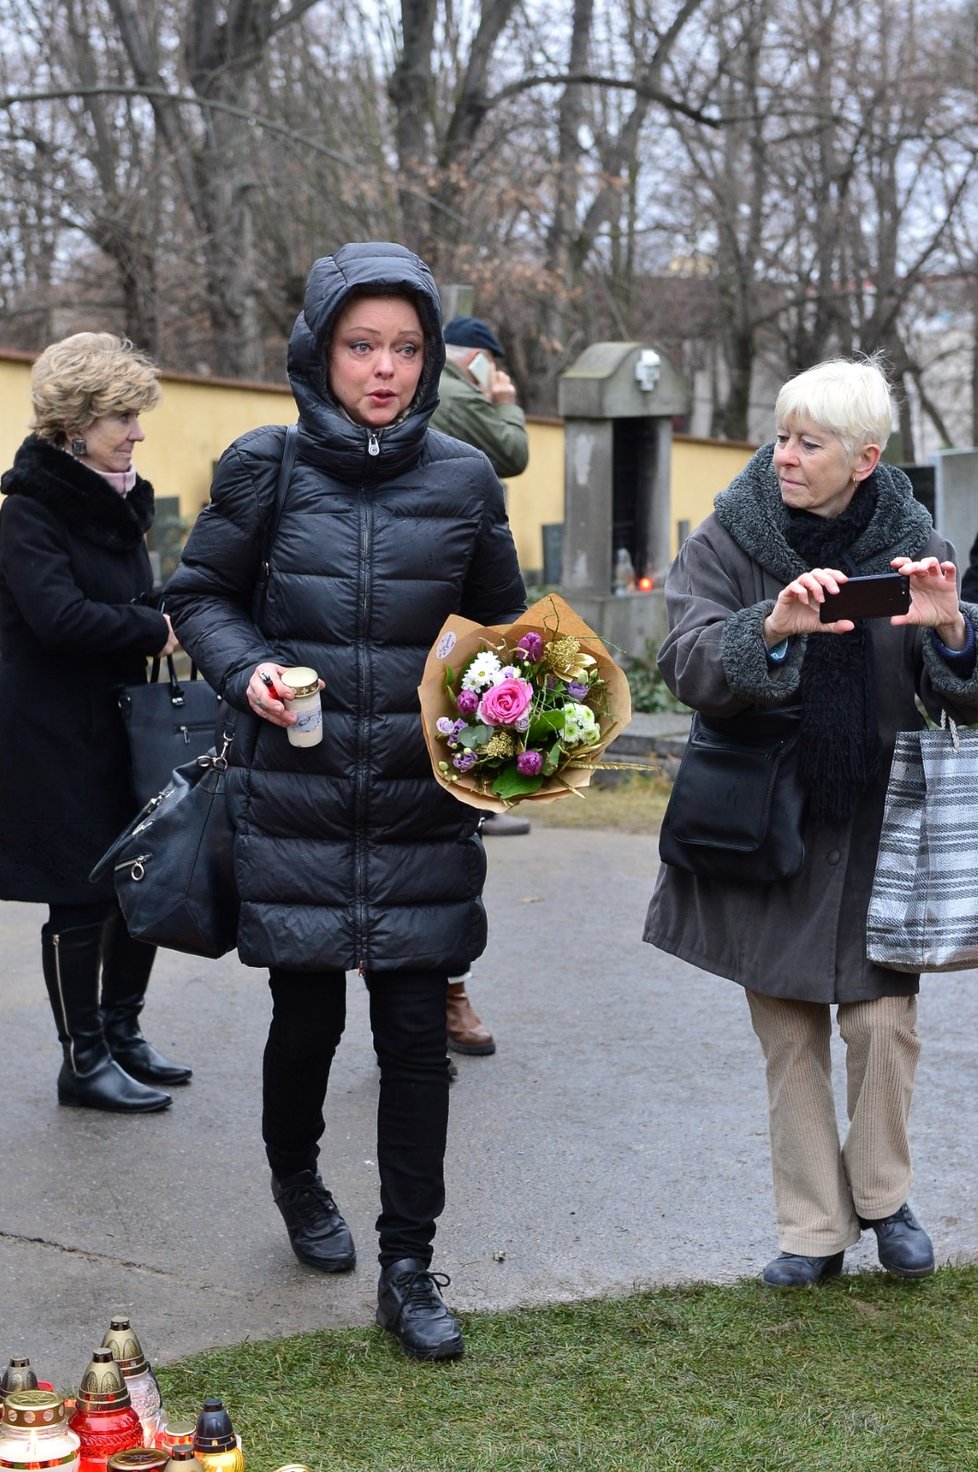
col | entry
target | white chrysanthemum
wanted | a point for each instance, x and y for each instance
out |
(482, 672)
(580, 726)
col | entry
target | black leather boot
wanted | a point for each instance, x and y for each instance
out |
(410, 1306)
(126, 965)
(904, 1247)
(794, 1270)
(89, 1076)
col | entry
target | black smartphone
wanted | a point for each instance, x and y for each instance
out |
(877, 596)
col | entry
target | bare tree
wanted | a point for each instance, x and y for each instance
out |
(223, 45)
(803, 172)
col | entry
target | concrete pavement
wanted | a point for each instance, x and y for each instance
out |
(617, 1139)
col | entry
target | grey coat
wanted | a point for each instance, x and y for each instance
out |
(803, 938)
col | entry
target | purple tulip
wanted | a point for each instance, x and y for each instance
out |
(467, 702)
(528, 763)
(530, 646)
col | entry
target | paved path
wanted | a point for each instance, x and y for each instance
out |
(617, 1138)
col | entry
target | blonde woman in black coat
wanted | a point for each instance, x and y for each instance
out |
(73, 567)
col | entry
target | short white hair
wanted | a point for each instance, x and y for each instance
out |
(850, 397)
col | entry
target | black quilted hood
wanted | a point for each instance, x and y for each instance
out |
(326, 434)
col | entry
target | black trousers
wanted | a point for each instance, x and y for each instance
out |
(407, 1017)
(74, 917)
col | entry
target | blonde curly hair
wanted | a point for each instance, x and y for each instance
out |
(77, 380)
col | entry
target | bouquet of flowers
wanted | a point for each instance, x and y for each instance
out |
(520, 711)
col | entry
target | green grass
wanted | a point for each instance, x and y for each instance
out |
(866, 1374)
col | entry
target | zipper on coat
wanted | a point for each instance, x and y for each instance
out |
(363, 733)
(373, 443)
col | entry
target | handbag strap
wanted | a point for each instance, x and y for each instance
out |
(176, 689)
(948, 723)
(271, 528)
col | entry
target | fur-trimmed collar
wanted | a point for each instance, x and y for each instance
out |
(752, 511)
(79, 497)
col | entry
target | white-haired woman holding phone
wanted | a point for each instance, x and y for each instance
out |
(744, 600)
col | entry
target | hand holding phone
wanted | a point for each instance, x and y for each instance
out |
(879, 595)
(481, 370)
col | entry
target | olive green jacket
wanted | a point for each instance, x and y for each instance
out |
(499, 430)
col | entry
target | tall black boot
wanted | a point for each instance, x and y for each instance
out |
(89, 1075)
(126, 965)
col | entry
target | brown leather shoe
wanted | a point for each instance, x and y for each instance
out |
(466, 1033)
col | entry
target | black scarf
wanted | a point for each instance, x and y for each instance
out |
(840, 744)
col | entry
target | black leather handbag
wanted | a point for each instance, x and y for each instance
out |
(172, 866)
(737, 807)
(168, 723)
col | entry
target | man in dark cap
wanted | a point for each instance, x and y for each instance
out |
(478, 405)
(478, 399)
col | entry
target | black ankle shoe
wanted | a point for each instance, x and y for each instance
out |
(319, 1235)
(104, 1085)
(792, 1270)
(141, 1060)
(904, 1247)
(410, 1306)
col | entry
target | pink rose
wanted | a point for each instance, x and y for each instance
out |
(503, 704)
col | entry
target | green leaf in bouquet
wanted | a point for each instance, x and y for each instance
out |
(449, 680)
(552, 760)
(511, 783)
(474, 736)
(548, 720)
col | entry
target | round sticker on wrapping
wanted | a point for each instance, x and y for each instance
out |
(445, 645)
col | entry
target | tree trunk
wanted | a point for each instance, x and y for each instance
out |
(410, 91)
(567, 183)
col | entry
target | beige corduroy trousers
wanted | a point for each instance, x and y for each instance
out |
(822, 1187)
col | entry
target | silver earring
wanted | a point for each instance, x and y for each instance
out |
(78, 445)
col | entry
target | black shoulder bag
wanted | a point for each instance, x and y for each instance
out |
(737, 807)
(173, 864)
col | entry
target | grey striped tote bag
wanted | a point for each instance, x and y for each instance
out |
(923, 910)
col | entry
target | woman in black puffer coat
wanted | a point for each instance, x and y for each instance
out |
(73, 567)
(348, 855)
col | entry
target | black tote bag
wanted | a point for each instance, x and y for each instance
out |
(168, 723)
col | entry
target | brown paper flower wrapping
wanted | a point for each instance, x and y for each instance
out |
(459, 640)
